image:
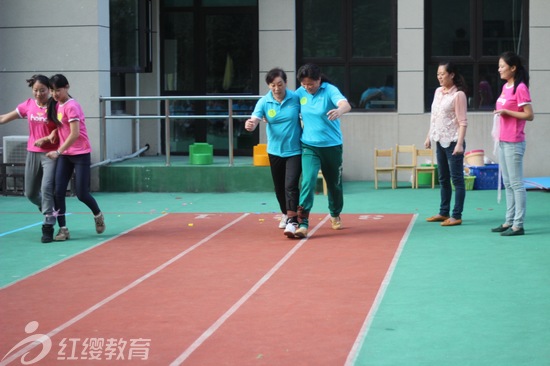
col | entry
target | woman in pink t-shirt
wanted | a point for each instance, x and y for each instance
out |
(514, 108)
(73, 154)
(39, 170)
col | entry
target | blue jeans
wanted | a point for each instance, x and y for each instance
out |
(511, 164)
(451, 168)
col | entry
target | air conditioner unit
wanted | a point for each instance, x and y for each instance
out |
(14, 152)
(15, 149)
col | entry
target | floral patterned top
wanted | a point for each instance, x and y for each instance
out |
(448, 114)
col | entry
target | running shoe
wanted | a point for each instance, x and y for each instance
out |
(282, 223)
(336, 223)
(290, 229)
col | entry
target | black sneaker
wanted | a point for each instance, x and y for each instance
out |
(512, 232)
(47, 233)
(500, 229)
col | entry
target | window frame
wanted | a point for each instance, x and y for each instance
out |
(346, 59)
(475, 59)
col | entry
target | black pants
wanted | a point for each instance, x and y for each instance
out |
(80, 164)
(286, 179)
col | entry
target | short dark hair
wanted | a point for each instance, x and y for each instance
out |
(313, 72)
(38, 78)
(274, 73)
(310, 71)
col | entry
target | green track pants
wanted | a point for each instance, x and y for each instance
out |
(329, 161)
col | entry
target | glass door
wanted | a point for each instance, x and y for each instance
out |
(210, 49)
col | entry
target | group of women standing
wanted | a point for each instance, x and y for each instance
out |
(58, 145)
(304, 136)
(448, 129)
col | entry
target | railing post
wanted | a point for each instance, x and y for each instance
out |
(167, 130)
(230, 130)
(102, 130)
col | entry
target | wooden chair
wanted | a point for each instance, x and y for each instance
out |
(384, 163)
(426, 167)
(405, 159)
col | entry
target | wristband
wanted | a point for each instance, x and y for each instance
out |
(58, 153)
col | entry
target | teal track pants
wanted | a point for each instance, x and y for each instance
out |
(329, 161)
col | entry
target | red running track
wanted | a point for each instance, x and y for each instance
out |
(206, 289)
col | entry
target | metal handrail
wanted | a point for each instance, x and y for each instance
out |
(167, 117)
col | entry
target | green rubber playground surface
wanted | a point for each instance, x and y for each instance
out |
(457, 295)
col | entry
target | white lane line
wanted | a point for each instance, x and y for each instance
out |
(79, 253)
(352, 356)
(218, 323)
(119, 292)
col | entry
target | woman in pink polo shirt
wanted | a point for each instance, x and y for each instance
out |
(39, 170)
(73, 154)
(514, 108)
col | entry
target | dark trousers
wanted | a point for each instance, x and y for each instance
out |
(80, 164)
(286, 179)
(451, 168)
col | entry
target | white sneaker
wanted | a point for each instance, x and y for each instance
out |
(290, 229)
(282, 223)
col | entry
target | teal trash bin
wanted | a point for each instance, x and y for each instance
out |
(201, 153)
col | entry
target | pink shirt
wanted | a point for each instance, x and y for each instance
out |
(39, 125)
(511, 128)
(71, 112)
(448, 114)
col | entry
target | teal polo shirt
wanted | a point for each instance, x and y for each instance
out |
(319, 131)
(283, 123)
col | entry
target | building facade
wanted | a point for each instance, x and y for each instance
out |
(219, 47)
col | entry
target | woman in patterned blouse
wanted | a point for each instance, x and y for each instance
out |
(448, 129)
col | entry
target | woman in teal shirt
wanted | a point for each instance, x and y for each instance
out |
(321, 106)
(280, 107)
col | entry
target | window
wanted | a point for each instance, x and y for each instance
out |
(130, 36)
(354, 43)
(472, 34)
(130, 44)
